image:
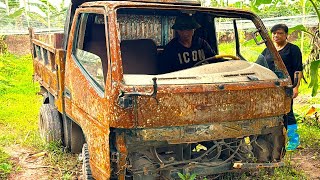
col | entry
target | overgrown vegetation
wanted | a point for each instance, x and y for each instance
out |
(5, 165)
(18, 106)
(19, 109)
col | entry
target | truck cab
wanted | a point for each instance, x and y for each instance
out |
(133, 120)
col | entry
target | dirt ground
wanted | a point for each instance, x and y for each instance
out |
(31, 165)
(308, 161)
(27, 164)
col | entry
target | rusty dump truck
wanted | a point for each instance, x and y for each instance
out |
(104, 94)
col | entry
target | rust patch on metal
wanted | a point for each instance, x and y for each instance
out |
(189, 105)
(122, 149)
(177, 109)
(213, 131)
(59, 60)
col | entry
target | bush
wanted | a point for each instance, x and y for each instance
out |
(3, 45)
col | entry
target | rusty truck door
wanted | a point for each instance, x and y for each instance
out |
(86, 73)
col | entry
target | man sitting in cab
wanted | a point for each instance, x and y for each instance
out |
(185, 50)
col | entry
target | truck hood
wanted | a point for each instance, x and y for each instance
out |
(226, 72)
(202, 103)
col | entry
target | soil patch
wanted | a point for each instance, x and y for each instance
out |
(29, 164)
(307, 160)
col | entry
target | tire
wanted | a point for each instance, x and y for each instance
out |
(77, 138)
(86, 170)
(50, 126)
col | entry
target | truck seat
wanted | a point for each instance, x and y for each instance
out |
(95, 42)
(139, 56)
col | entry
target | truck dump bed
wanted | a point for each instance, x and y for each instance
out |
(48, 63)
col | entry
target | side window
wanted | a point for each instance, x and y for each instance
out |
(89, 48)
(247, 32)
(251, 43)
(225, 36)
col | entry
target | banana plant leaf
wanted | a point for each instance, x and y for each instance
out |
(314, 83)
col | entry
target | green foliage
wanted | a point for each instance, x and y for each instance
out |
(300, 27)
(187, 176)
(19, 109)
(271, 8)
(310, 135)
(67, 176)
(315, 6)
(260, 2)
(19, 104)
(37, 13)
(5, 165)
(57, 156)
(3, 45)
(7, 70)
(314, 69)
(288, 172)
(5, 169)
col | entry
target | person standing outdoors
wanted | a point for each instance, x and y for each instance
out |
(185, 50)
(292, 58)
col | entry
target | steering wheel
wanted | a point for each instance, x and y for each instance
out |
(228, 56)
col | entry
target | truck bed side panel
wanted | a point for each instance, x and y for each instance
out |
(48, 63)
(44, 66)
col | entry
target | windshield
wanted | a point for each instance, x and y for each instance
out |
(174, 43)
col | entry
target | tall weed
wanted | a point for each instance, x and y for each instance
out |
(19, 103)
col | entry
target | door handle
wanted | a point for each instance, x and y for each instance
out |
(67, 93)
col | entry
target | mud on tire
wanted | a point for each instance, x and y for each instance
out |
(50, 126)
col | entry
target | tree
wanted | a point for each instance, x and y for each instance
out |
(40, 13)
(12, 8)
(313, 62)
(314, 57)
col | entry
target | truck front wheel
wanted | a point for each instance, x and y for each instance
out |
(50, 126)
(86, 170)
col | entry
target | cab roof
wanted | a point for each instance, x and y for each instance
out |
(177, 2)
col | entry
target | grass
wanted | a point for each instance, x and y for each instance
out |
(19, 109)
(19, 106)
(5, 164)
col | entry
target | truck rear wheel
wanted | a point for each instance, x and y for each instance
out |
(50, 124)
